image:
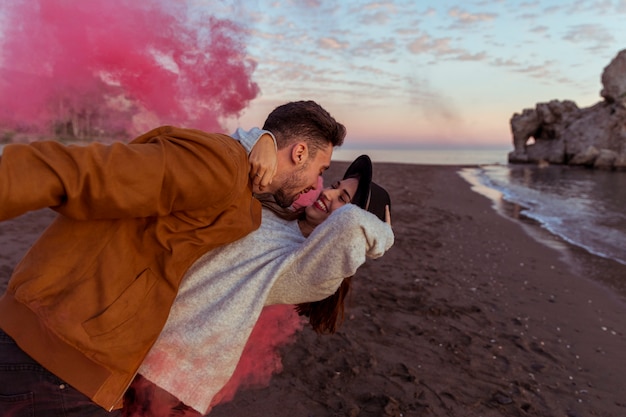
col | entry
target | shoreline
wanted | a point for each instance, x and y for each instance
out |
(606, 270)
(466, 315)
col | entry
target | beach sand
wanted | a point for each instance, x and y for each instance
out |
(466, 315)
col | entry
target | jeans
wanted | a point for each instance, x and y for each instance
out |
(28, 390)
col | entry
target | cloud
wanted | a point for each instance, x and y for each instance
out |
(598, 7)
(597, 35)
(275, 37)
(414, 30)
(380, 5)
(539, 29)
(332, 43)
(466, 18)
(552, 9)
(499, 62)
(544, 71)
(529, 4)
(436, 46)
(312, 4)
(442, 48)
(379, 18)
(379, 13)
(375, 47)
(430, 12)
(427, 44)
(465, 56)
(528, 16)
(370, 69)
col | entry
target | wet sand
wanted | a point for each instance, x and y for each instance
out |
(467, 315)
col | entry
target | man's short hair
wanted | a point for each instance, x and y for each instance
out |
(304, 120)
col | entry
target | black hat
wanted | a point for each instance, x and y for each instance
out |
(369, 195)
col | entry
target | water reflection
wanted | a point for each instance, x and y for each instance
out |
(582, 206)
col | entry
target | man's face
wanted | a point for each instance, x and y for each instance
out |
(303, 178)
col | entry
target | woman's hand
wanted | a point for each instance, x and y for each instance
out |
(263, 161)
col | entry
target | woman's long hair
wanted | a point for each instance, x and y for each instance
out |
(327, 315)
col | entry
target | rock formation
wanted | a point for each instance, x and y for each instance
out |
(560, 132)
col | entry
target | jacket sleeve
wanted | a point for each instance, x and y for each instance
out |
(334, 251)
(165, 170)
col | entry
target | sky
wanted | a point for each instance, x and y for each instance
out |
(396, 73)
(411, 72)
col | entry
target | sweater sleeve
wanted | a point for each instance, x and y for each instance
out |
(249, 138)
(334, 251)
(163, 171)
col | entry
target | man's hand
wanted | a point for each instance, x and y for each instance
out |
(263, 161)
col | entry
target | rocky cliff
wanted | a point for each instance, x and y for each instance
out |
(560, 132)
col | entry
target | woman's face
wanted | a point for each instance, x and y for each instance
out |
(330, 199)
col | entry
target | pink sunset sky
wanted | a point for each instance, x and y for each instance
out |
(396, 73)
(414, 72)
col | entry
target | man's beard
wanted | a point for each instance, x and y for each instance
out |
(283, 199)
(289, 192)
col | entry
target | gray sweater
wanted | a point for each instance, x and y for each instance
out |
(223, 293)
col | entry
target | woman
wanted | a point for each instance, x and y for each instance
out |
(223, 293)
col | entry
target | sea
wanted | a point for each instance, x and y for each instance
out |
(581, 206)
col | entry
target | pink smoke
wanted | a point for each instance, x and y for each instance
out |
(275, 328)
(118, 66)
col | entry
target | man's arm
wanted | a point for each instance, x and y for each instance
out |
(165, 170)
(262, 149)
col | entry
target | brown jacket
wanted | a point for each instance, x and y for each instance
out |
(91, 296)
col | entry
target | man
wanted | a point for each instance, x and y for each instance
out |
(92, 294)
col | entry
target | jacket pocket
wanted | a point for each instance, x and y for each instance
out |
(124, 308)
